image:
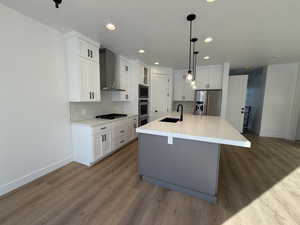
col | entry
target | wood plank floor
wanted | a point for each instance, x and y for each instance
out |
(257, 186)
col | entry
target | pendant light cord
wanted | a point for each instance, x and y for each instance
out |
(194, 61)
(190, 53)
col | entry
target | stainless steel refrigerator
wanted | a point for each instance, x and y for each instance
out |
(208, 102)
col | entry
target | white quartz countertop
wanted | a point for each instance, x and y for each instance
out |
(199, 128)
(99, 122)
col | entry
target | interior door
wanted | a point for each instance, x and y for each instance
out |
(160, 88)
(237, 89)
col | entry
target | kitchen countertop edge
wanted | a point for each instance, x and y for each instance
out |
(99, 122)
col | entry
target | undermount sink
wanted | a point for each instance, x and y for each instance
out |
(170, 120)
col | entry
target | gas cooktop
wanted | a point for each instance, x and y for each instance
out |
(111, 116)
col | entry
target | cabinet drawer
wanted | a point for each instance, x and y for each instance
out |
(100, 129)
(120, 141)
(120, 129)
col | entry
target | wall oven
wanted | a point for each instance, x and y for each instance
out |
(143, 111)
(143, 107)
(143, 92)
(143, 121)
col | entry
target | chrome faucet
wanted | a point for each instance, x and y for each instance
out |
(181, 114)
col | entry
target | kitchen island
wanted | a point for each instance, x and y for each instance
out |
(185, 156)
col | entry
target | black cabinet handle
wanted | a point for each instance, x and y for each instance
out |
(122, 131)
(91, 54)
(90, 95)
(88, 53)
(122, 141)
(103, 128)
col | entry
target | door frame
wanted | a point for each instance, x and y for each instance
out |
(228, 96)
(161, 71)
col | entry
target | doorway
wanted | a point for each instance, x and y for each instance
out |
(160, 95)
(237, 90)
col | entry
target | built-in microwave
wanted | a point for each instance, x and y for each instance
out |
(143, 91)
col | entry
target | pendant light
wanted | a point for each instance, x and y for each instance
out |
(190, 18)
(193, 41)
(57, 3)
(193, 83)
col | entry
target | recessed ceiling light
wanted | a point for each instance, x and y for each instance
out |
(210, 1)
(141, 51)
(110, 26)
(156, 63)
(206, 58)
(208, 39)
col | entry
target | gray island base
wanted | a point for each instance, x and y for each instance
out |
(187, 166)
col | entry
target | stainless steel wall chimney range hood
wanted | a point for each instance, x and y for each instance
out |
(108, 71)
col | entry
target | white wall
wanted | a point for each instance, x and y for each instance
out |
(281, 106)
(34, 117)
(225, 81)
(297, 102)
(298, 132)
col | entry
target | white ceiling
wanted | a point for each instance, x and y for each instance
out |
(246, 33)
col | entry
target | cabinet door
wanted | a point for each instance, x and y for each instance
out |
(93, 53)
(202, 78)
(135, 125)
(86, 93)
(179, 80)
(106, 143)
(89, 51)
(84, 50)
(124, 74)
(94, 80)
(124, 71)
(215, 78)
(98, 139)
(90, 80)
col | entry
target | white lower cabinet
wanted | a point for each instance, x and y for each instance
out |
(91, 144)
(102, 145)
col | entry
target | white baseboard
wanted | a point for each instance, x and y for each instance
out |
(5, 188)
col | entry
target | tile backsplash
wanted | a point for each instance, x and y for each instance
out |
(88, 110)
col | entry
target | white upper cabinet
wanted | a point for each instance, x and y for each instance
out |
(89, 51)
(83, 69)
(124, 76)
(182, 89)
(144, 74)
(209, 77)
